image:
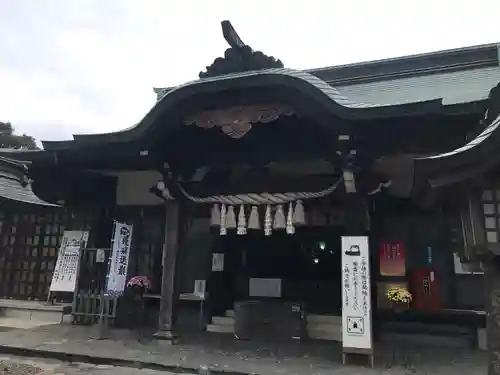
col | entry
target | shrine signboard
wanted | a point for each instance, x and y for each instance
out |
(68, 260)
(118, 267)
(356, 296)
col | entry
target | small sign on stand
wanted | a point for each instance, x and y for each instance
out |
(356, 298)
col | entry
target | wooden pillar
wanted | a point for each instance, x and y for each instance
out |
(169, 260)
(492, 276)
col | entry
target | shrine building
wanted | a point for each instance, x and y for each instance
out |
(241, 183)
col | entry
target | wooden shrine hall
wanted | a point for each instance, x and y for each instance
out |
(271, 166)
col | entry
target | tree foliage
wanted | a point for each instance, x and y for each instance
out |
(8, 138)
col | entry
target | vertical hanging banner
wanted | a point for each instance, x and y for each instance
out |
(392, 259)
(121, 243)
(68, 260)
(356, 296)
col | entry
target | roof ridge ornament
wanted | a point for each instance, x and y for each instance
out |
(239, 57)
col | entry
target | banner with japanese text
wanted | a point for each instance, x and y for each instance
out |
(392, 259)
(356, 293)
(117, 276)
(68, 260)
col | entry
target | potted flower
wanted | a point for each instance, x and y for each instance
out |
(400, 298)
(138, 285)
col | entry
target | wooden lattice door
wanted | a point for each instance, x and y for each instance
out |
(30, 243)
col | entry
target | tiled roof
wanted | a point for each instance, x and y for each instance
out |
(485, 134)
(453, 88)
(15, 185)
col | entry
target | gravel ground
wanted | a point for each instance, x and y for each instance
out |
(15, 368)
(12, 365)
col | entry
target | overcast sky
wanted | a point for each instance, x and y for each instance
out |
(86, 66)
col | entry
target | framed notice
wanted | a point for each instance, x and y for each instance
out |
(392, 259)
(68, 261)
(356, 296)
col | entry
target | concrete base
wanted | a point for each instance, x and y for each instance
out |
(165, 337)
(482, 342)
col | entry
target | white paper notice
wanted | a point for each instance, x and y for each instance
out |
(68, 260)
(356, 293)
(217, 262)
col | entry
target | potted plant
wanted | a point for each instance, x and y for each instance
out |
(138, 285)
(400, 298)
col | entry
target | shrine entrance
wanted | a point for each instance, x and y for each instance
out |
(301, 268)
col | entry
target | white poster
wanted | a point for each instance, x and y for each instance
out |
(117, 277)
(68, 260)
(356, 293)
(217, 262)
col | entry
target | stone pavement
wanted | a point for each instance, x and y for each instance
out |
(224, 354)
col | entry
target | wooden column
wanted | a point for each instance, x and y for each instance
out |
(492, 276)
(169, 260)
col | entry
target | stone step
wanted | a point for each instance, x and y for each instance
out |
(223, 320)
(314, 319)
(230, 313)
(325, 328)
(33, 310)
(325, 335)
(216, 328)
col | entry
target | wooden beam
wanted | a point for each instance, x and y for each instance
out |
(169, 260)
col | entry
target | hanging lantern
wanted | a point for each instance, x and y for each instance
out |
(279, 218)
(253, 220)
(215, 216)
(268, 221)
(299, 217)
(223, 229)
(230, 218)
(290, 229)
(242, 222)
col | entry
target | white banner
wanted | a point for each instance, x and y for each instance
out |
(117, 277)
(68, 260)
(356, 293)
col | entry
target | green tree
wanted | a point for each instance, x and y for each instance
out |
(8, 138)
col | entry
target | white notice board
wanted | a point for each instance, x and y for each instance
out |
(356, 294)
(68, 260)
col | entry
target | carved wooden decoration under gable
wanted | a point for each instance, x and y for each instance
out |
(237, 121)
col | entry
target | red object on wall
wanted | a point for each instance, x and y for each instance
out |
(392, 259)
(425, 289)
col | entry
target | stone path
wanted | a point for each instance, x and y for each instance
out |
(222, 353)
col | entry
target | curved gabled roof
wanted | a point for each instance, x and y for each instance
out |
(301, 82)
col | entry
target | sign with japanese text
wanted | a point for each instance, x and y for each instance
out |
(68, 260)
(356, 294)
(117, 277)
(392, 259)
